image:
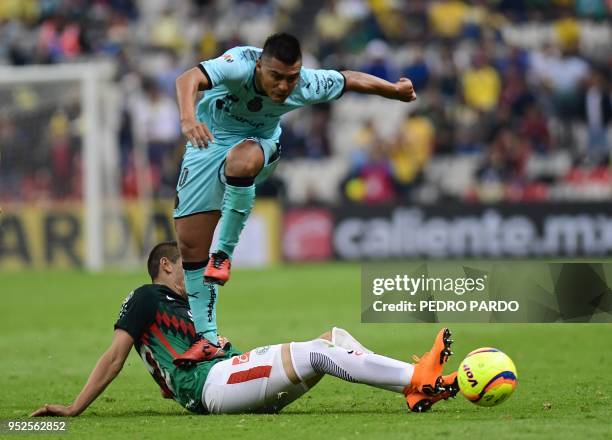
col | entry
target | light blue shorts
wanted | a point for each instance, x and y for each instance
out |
(201, 184)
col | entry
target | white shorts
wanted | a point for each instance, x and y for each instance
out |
(253, 382)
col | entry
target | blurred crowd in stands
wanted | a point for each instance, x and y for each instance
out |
(519, 90)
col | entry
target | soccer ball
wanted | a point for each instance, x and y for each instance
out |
(487, 376)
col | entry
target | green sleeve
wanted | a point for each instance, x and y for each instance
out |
(138, 311)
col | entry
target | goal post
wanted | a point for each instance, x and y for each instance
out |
(88, 92)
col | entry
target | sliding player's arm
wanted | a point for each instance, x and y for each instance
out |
(188, 85)
(360, 82)
(108, 367)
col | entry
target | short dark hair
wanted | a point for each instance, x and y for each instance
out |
(168, 249)
(283, 47)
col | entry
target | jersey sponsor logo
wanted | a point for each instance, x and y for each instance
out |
(247, 121)
(242, 359)
(228, 58)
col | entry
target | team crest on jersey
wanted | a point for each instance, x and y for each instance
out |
(255, 104)
(262, 350)
(228, 58)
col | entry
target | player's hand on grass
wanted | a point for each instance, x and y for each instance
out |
(53, 410)
(197, 133)
(405, 90)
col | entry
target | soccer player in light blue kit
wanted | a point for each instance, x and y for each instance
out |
(232, 135)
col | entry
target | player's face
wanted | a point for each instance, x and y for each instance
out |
(179, 274)
(276, 78)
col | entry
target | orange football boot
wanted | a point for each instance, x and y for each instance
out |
(201, 350)
(218, 268)
(421, 402)
(427, 376)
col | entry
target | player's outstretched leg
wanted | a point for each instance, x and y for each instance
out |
(321, 356)
(268, 378)
(243, 163)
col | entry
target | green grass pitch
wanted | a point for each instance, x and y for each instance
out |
(55, 324)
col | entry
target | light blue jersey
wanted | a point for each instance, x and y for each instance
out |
(234, 111)
(233, 107)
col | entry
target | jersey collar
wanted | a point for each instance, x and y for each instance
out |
(168, 291)
(259, 92)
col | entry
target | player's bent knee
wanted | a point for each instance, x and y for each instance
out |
(244, 160)
(327, 336)
(187, 243)
(242, 167)
(288, 364)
